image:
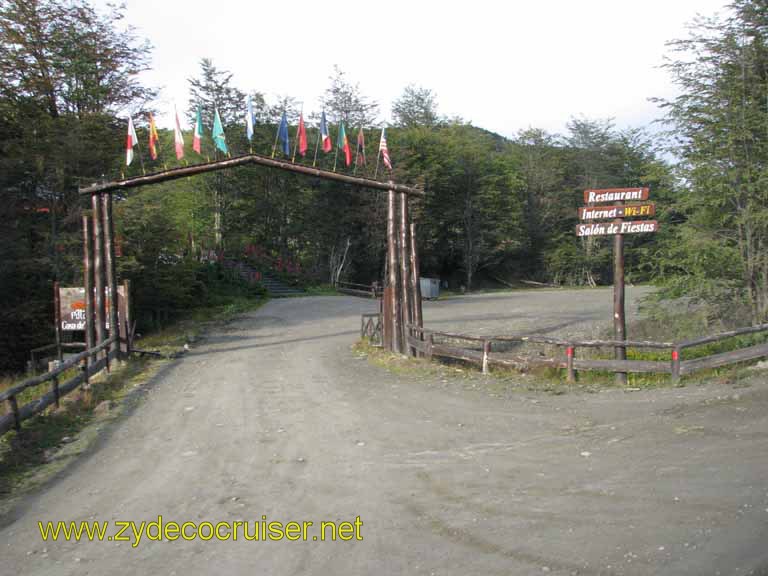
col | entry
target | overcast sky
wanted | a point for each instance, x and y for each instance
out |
(503, 65)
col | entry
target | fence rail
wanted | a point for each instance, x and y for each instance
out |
(16, 414)
(422, 340)
(364, 290)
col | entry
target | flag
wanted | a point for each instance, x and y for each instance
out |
(383, 150)
(324, 134)
(218, 132)
(282, 135)
(360, 153)
(301, 136)
(198, 133)
(178, 138)
(343, 144)
(131, 140)
(249, 118)
(152, 137)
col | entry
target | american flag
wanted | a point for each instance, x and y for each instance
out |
(383, 150)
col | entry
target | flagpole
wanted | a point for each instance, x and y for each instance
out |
(296, 143)
(141, 160)
(378, 156)
(274, 146)
(357, 152)
(336, 156)
(317, 145)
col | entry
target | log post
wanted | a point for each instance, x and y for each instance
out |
(405, 301)
(570, 352)
(391, 314)
(619, 320)
(56, 394)
(57, 315)
(98, 271)
(88, 284)
(486, 352)
(111, 269)
(14, 405)
(128, 331)
(676, 365)
(415, 281)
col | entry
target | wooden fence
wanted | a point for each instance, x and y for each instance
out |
(422, 342)
(16, 414)
(364, 290)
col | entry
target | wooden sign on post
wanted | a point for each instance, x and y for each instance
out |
(628, 211)
(615, 195)
(617, 228)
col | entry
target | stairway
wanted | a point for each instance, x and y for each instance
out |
(277, 289)
(274, 287)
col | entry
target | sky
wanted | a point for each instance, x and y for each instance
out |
(503, 65)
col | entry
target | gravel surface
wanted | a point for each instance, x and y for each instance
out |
(275, 416)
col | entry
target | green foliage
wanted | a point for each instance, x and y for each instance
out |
(720, 124)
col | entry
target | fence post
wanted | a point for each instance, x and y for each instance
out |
(86, 374)
(57, 315)
(56, 394)
(676, 364)
(569, 354)
(15, 411)
(486, 352)
(430, 343)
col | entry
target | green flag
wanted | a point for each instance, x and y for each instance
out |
(218, 133)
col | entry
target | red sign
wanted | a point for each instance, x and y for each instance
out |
(615, 194)
(628, 211)
(612, 228)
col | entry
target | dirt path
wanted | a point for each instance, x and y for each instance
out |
(274, 416)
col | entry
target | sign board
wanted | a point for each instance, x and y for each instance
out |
(72, 302)
(616, 194)
(612, 228)
(628, 211)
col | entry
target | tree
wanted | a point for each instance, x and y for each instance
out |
(214, 89)
(720, 131)
(416, 106)
(344, 101)
(66, 74)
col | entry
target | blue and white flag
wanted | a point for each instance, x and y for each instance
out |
(249, 117)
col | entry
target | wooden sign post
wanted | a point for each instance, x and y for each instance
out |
(617, 228)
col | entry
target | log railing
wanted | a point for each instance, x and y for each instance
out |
(17, 414)
(423, 341)
(354, 289)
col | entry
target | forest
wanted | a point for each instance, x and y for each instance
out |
(497, 211)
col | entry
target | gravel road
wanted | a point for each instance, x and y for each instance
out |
(275, 416)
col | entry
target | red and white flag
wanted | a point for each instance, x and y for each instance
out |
(383, 150)
(131, 140)
(178, 138)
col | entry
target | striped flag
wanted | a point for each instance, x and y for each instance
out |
(249, 118)
(152, 137)
(178, 137)
(131, 140)
(324, 134)
(360, 153)
(301, 135)
(197, 136)
(343, 144)
(383, 150)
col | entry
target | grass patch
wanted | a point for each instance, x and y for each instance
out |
(500, 381)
